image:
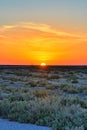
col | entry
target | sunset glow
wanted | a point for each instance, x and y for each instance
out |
(37, 33)
(43, 64)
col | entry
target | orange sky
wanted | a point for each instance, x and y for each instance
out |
(31, 43)
(36, 31)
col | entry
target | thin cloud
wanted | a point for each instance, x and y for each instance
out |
(43, 29)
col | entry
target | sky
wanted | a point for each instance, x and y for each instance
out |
(50, 31)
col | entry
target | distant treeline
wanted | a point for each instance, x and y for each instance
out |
(49, 67)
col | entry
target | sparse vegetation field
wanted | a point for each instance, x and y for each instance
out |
(52, 96)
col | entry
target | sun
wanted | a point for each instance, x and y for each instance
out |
(43, 64)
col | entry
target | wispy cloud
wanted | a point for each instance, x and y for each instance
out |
(44, 29)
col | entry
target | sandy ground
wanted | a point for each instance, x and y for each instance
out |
(8, 125)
